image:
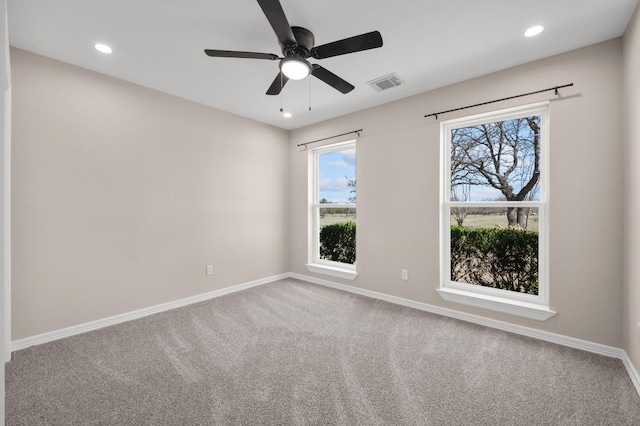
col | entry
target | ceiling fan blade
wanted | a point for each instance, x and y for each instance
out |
(331, 79)
(277, 84)
(357, 43)
(275, 15)
(236, 54)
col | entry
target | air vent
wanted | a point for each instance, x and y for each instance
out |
(386, 82)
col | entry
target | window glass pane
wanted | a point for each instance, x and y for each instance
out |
(338, 234)
(337, 177)
(498, 161)
(487, 252)
(487, 217)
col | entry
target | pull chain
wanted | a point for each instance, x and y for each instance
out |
(281, 109)
(309, 94)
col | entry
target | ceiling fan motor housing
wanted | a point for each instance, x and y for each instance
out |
(305, 42)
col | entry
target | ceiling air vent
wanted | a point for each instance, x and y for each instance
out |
(386, 82)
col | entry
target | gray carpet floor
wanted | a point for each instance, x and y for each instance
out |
(293, 353)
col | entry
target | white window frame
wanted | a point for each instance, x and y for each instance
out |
(316, 264)
(520, 304)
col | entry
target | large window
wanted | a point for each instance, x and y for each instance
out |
(333, 210)
(494, 211)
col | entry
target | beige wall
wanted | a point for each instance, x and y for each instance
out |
(123, 194)
(631, 52)
(398, 189)
(5, 166)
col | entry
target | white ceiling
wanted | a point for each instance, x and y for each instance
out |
(428, 43)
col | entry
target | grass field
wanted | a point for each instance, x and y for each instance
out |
(330, 219)
(488, 221)
(472, 221)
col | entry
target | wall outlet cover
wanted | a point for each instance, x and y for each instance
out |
(404, 274)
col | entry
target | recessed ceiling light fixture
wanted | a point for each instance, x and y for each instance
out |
(295, 68)
(287, 115)
(103, 48)
(534, 31)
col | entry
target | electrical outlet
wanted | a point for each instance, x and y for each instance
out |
(404, 274)
(209, 269)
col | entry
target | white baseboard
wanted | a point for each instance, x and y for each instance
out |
(633, 373)
(572, 342)
(116, 319)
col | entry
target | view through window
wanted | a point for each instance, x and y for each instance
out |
(334, 207)
(495, 203)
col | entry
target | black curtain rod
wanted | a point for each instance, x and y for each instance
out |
(555, 88)
(330, 137)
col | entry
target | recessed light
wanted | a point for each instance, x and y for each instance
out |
(287, 115)
(534, 31)
(103, 48)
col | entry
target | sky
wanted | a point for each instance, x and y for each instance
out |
(334, 169)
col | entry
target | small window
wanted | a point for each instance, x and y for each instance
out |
(333, 210)
(494, 211)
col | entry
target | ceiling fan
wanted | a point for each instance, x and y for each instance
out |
(297, 45)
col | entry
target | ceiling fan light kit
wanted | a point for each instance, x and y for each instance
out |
(297, 45)
(295, 68)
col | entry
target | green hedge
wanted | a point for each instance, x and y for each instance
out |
(504, 258)
(338, 242)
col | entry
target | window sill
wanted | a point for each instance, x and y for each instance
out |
(513, 307)
(347, 274)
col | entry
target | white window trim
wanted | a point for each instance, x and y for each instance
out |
(315, 264)
(519, 304)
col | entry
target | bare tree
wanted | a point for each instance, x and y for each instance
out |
(504, 155)
(460, 213)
